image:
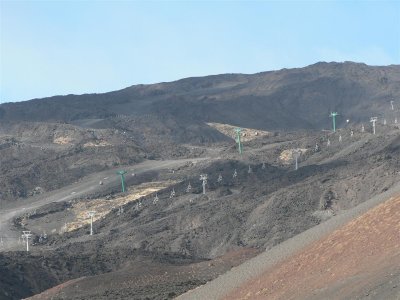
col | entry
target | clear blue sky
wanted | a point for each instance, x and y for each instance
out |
(74, 47)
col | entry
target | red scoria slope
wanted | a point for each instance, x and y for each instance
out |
(359, 260)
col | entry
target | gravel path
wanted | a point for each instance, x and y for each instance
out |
(224, 284)
(87, 185)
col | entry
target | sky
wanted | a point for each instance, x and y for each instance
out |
(73, 47)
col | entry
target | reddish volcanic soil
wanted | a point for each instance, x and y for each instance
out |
(359, 260)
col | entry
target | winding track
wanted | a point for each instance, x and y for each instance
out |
(85, 186)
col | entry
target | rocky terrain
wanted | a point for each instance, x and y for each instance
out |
(150, 243)
(80, 134)
(359, 260)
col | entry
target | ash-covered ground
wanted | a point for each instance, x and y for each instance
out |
(54, 152)
(160, 249)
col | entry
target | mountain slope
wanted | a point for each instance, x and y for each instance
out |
(359, 260)
(158, 120)
(268, 100)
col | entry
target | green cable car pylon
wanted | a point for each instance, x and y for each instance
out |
(238, 130)
(333, 116)
(122, 173)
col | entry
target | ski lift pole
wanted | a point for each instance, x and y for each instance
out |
(333, 116)
(121, 174)
(238, 141)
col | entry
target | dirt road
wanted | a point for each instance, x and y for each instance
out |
(85, 186)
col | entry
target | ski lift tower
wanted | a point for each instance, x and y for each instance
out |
(238, 131)
(203, 177)
(121, 174)
(333, 116)
(189, 188)
(27, 235)
(219, 180)
(91, 215)
(155, 199)
(373, 121)
(297, 154)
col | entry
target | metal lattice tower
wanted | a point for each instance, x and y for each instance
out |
(333, 116)
(91, 215)
(219, 180)
(189, 188)
(155, 199)
(26, 235)
(238, 141)
(120, 211)
(373, 121)
(203, 177)
(122, 173)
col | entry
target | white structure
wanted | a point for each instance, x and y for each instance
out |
(340, 138)
(391, 104)
(155, 199)
(263, 166)
(234, 174)
(120, 211)
(138, 205)
(189, 188)
(316, 147)
(172, 195)
(26, 235)
(395, 120)
(373, 121)
(351, 133)
(384, 121)
(249, 170)
(219, 180)
(203, 177)
(91, 215)
(328, 143)
(362, 128)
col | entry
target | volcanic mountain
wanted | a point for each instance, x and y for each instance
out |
(92, 132)
(164, 235)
